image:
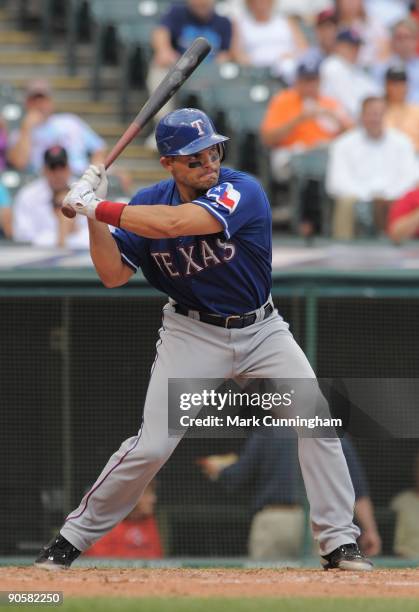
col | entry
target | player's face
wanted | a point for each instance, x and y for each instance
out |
(199, 171)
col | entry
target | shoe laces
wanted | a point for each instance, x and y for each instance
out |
(350, 550)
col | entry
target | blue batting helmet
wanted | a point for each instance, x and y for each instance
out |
(186, 131)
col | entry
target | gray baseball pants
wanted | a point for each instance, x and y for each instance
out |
(188, 348)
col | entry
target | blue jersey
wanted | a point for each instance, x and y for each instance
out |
(225, 273)
(184, 27)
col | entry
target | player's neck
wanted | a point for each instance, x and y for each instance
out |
(187, 194)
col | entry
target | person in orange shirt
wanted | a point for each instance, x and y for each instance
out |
(300, 119)
(136, 537)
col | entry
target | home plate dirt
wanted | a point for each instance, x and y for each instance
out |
(93, 582)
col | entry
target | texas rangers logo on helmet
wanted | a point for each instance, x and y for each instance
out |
(198, 125)
(226, 196)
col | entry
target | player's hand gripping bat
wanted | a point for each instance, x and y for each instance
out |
(173, 80)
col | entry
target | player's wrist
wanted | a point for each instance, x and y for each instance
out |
(109, 212)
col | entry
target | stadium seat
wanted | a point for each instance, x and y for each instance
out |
(309, 166)
(14, 180)
(133, 44)
(239, 105)
(106, 15)
(40, 15)
(11, 109)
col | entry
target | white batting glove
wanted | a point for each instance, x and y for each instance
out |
(97, 179)
(83, 199)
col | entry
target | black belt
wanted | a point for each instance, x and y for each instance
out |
(232, 321)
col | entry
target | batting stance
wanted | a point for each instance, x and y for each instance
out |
(202, 237)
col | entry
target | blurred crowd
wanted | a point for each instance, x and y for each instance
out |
(50, 150)
(278, 528)
(348, 92)
(346, 103)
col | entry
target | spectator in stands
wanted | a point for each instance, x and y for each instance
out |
(326, 32)
(414, 14)
(277, 527)
(42, 128)
(404, 55)
(370, 164)
(401, 114)
(5, 213)
(375, 39)
(305, 10)
(387, 12)
(341, 76)
(4, 142)
(178, 28)
(267, 39)
(403, 218)
(406, 507)
(136, 537)
(300, 119)
(36, 210)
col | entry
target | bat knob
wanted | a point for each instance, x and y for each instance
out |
(68, 211)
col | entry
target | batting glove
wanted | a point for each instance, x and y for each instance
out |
(97, 179)
(83, 199)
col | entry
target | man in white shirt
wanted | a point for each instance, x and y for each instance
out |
(369, 164)
(388, 12)
(342, 78)
(37, 218)
(404, 44)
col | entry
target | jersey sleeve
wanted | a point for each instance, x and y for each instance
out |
(236, 204)
(131, 246)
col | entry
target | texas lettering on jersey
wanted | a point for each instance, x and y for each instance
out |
(194, 258)
(228, 271)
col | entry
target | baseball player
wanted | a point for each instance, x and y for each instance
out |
(202, 237)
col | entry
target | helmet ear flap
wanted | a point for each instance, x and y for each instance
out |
(221, 151)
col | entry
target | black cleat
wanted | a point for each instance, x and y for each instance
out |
(58, 554)
(346, 557)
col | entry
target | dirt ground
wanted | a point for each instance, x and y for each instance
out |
(213, 582)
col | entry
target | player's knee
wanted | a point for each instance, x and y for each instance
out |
(155, 453)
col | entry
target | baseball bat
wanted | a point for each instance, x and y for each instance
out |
(173, 80)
